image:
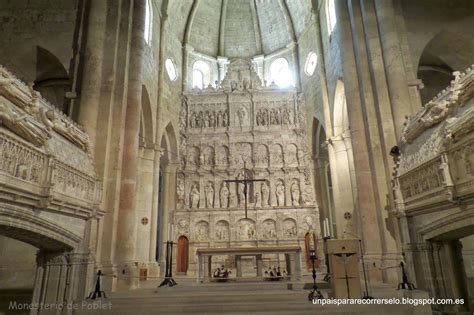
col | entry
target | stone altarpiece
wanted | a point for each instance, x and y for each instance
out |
(241, 128)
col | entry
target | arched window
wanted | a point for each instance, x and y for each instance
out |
(148, 22)
(331, 15)
(201, 74)
(198, 79)
(280, 73)
(311, 63)
(171, 69)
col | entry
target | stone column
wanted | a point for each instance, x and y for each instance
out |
(169, 203)
(365, 135)
(343, 198)
(238, 265)
(92, 69)
(127, 216)
(394, 64)
(200, 267)
(259, 265)
(298, 265)
(155, 204)
(222, 61)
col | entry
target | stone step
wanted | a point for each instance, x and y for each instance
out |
(246, 307)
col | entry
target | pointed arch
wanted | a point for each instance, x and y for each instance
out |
(146, 125)
(340, 117)
(52, 79)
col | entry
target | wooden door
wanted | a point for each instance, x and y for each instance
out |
(182, 254)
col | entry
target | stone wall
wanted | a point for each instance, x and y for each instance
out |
(48, 24)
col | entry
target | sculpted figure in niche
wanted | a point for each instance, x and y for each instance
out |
(258, 196)
(306, 196)
(203, 232)
(269, 230)
(280, 194)
(180, 192)
(295, 194)
(224, 196)
(192, 120)
(183, 227)
(277, 156)
(206, 120)
(240, 191)
(265, 194)
(290, 229)
(212, 119)
(232, 199)
(225, 119)
(219, 119)
(209, 190)
(222, 231)
(242, 115)
(194, 196)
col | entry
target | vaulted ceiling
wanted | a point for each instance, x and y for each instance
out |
(238, 28)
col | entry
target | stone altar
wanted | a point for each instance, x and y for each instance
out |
(242, 128)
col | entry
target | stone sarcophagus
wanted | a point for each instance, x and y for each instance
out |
(434, 188)
(243, 130)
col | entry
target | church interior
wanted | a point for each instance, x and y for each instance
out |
(250, 151)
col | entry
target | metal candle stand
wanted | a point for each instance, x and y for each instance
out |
(327, 277)
(366, 292)
(168, 265)
(315, 293)
(97, 291)
(405, 284)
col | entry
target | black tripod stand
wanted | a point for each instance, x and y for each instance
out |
(168, 265)
(315, 293)
(405, 284)
(97, 291)
(327, 277)
(366, 293)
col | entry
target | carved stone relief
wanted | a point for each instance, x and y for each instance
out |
(236, 132)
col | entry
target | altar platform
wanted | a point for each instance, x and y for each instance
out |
(292, 259)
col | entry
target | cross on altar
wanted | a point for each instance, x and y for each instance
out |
(244, 181)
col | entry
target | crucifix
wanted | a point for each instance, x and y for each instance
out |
(244, 181)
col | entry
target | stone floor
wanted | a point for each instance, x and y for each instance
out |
(189, 297)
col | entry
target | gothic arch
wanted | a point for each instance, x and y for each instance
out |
(51, 79)
(340, 117)
(146, 124)
(444, 53)
(169, 144)
(29, 228)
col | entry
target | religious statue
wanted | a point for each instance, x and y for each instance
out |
(295, 194)
(224, 196)
(258, 197)
(209, 190)
(242, 115)
(280, 194)
(219, 122)
(203, 232)
(265, 194)
(306, 196)
(194, 196)
(180, 192)
(240, 191)
(232, 199)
